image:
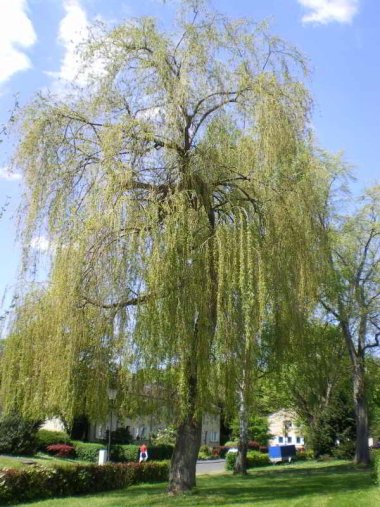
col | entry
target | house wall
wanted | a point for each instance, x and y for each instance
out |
(144, 426)
(282, 425)
(54, 424)
(211, 429)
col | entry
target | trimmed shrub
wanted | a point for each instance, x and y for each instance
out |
(20, 485)
(126, 453)
(18, 436)
(121, 453)
(87, 451)
(254, 459)
(230, 460)
(47, 437)
(61, 450)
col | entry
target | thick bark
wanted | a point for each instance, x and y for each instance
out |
(362, 451)
(241, 458)
(185, 454)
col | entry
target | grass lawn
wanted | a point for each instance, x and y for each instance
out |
(41, 459)
(331, 484)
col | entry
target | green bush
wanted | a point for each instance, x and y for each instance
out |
(160, 452)
(231, 443)
(18, 436)
(303, 455)
(47, 437)
(346, 450)
(121, 436)
(87, 451)
(165, 436)
(37, 483)
(375, 455)
(254, 459)
(126, 453)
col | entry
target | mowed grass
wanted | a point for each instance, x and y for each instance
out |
(41, 459)
(332, 484)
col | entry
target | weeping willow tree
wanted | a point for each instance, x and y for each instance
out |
(178, 191)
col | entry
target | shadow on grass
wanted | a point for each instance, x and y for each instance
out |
(269, 485)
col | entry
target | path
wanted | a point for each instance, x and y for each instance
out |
(213, 466)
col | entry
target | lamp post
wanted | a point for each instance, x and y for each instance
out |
(111, 393)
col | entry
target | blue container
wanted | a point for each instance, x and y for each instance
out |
(281, 453)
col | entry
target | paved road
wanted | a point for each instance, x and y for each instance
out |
(214, 466)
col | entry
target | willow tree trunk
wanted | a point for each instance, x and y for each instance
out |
(241, 458)
(362, 451)
(185, 455)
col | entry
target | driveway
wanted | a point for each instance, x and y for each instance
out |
(213, 466)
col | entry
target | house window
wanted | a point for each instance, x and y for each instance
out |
(289, 440)
(214, 436)
(298, 440)
(280, 440)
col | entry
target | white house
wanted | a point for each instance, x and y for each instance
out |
(284, 430)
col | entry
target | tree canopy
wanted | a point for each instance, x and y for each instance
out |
(179, 191)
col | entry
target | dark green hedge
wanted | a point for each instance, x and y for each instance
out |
(21, 485)
(85, 451)
(254, 459)
(125, 453)
(121, 453)
(160, 452)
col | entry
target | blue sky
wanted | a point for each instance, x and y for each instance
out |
(341, 38)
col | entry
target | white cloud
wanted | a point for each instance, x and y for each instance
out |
(73, 29)
(16, 33)
(7, 174)
(328, 11)
(40, 243)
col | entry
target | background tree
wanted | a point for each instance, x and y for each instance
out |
(314, 372)
(373, 382)
(179, 184)
(352, 296)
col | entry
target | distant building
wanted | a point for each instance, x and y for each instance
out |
(142, 427)
(284, 430)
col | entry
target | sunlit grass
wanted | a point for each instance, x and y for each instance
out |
(332, 484)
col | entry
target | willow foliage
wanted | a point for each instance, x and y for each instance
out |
(179, 191)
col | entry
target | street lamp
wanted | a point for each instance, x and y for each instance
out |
(111, 393)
